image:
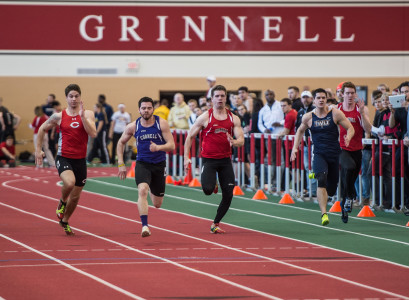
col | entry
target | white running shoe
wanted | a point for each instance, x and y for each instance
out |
(145, 231)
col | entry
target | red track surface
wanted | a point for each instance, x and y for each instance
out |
(192, 265)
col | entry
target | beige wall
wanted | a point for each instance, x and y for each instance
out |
(22, 94)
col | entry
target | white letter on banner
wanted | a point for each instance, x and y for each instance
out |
(100, 29)
(268, 28)
(303, 34)
(125, 29)
(338, 33)
(228, 23)
(162, 29)
(200, 32)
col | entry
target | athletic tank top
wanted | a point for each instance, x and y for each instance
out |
(73, 139)
(354, 116)
(144, 136)
(324, 134)
(214, 137)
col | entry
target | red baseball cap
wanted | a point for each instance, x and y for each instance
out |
(339, 87)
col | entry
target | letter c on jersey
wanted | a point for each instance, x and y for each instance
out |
(75, 124)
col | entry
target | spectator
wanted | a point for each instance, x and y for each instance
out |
(245, 120)
(120, 119)
(293, 95)
(38, 120)
(99, 147)
(340, 96)
(55, 131)
(243, 93)
(383, 88)
(109, 111)
(192, 103)
(179, 113)
(48, 108)
(307, 101)
(400, 119)
(202, 100)
(211, 81)
(9, 122)
(163, 110)
(270, 115)
(254, 128)
(8, 152)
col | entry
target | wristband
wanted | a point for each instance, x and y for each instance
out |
(121, 165)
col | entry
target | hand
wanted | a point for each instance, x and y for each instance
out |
(293, 154)
(153, 147)
(122, 172)
(187, 163)
(230, 139)
(39, 158)
(267, 130)
(361, 105)
(347, 140)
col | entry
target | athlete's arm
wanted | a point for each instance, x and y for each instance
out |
(366, 123)
(126, 136)
(299, 134)
(88, 120)
(170, 143)
(238, 133)
(53, 120)
(200, 123)
(340, 119)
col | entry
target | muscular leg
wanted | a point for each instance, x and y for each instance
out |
(72, 202)
(143, 189)
(226, 178)
(156, 200)
(322, 197)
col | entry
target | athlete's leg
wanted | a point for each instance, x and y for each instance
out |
(143, 189)
(68, 179)
(226, 179)
(208, 175)
(320, 167)
(72, 202)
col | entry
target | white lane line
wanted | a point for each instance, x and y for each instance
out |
(179, 265)
(267, 215)
(97, 279)
(227, 247)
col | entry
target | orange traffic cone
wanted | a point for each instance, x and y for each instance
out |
(131, 172)
(195, 183)
(169, 180)
(407, 224)
(237, 191)
(259, 195)
(286, 199)
(336, 207)
(366, 212)
(188, 177)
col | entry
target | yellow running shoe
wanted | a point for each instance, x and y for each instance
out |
(324, 220)
(67, 228)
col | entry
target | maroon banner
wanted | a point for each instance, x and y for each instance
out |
(207, 28)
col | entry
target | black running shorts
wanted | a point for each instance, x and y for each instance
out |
(152, 174)
(77, 166)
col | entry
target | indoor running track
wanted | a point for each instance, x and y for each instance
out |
(107, 258)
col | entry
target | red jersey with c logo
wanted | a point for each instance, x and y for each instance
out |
(354, 116)
(214, 137)
(73, 139)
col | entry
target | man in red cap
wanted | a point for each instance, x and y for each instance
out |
(340, 96)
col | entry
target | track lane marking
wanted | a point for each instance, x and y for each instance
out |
(179, 265)
(203, 240)
(97, 279)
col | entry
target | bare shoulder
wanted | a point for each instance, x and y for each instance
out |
(163, 123)
(55, 118)
(202, 119)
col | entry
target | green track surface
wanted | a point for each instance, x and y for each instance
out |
(384, 236)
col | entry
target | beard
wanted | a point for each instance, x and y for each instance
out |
(147, 116)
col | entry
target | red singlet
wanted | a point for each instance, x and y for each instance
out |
(354, 116)
(214, 138)
(73, 139)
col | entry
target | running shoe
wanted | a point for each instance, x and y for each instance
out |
(216, 229)
(324, 220)
(216, 189)
(61, 209)
(67, 228)
(348, 205)
(145, 231)
(344, 215)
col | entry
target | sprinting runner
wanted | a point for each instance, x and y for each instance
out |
(76, 124)
(323, 122)
(356, 112)
(218, 127)
(153, 140)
